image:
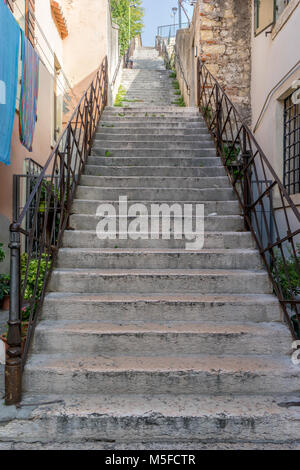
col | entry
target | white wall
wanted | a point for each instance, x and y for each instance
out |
(273, 57)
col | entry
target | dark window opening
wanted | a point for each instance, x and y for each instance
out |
(291, 170)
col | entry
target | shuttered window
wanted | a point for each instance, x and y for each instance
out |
(30, 20)
(264, 14)
(10, 3)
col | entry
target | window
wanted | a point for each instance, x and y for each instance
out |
(30, 20)
(280, 6)
(291, 167)
(264, 14)
(23, 11)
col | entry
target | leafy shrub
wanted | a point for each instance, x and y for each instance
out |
(120, 97)
(230, 155)
(34, 264)
(4, 285)
(288, 276)
(2, 253)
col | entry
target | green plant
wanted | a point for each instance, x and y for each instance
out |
(4, 285)
(107, 153)
(175, 85)
(179, 102)
(35, 277)
(2, 253)
(287, 273)
(120, 97)
(230, 156)
(120, 14)
(207, 112)
(173, 74)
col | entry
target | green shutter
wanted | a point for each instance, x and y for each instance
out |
(264, 14)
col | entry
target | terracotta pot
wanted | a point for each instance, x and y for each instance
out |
(5, 303)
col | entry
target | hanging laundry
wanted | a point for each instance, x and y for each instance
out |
(9, 54)
(29, 92)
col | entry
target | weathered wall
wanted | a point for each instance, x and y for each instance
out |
(185, 64)
(86, 44)
(222, 35)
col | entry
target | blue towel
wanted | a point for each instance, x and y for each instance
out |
(9, 55)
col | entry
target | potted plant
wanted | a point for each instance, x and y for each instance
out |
(4, 291)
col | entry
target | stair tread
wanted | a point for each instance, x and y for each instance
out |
(275, 365)
(162, 272)
(85, 327)
(124, 297)
(147, 406)
(162, 251)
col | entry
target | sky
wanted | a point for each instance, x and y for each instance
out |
(158, 13)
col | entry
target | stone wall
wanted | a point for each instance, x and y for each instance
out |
(185, 64)
(222, 35)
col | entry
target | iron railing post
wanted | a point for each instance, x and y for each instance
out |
(247, 180)
(198, 82)
(13, 366)
(218, 121)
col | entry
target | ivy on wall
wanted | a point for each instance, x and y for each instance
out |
(120, 14)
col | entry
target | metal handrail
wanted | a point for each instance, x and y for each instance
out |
(129, 53)
(256, 185)
(121, 58)
(171, 29)
(49, 207)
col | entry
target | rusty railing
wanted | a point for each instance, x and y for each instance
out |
(36, 233)
(269, 211)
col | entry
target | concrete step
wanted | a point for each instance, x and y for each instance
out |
(153, 113)
(163, 171)
(152, 339)
(203, 182)
(141, 92)
(136, 308)
(148, 157)
(211, 208)
(213, 240)
(209, 375)
(154, 131)
(149, 117)
(137, 104)
(154, 145)
(147, 125)
(188, 112)
(128, 138)
(212, 224)
(160, 280)
(154, 422)
(156, 194)
(158, 259)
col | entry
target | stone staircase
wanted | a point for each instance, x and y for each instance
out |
(143, 344)
(148, 83)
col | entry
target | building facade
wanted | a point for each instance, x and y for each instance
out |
(252, 47)
(71, 38)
